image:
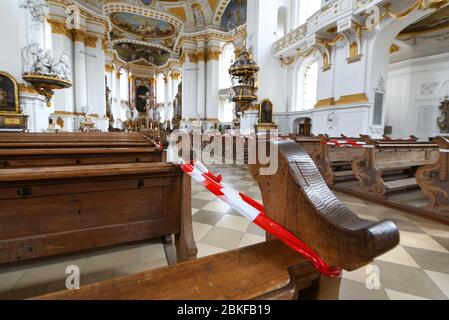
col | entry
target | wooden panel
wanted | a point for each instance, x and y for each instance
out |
(46, 211)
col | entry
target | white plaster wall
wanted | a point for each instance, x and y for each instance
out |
(415, 89)
(261, 27)
(95, 71)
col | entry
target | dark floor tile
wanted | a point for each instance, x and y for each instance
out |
(199, 203)
(408, 280)
(430, 260)
(443, 241)
(207, 217)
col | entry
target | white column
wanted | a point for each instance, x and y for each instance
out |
(201, 84)
(80, 76)
(189, 87)
(166, 97)
(96, 87)
(212, 79)
(64, 100)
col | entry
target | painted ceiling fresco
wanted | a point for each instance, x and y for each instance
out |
(132, 52)
(234, 15)
(142, 26)
(164, 22)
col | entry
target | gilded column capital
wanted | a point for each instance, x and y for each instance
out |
(175, 75)
(213, 54)
(192, 57)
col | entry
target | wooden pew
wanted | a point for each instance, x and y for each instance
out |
(392, 156)
(36, 150)
(434, 179)
(54, 210)
(78, 140)
(333, 161)
(296, 197)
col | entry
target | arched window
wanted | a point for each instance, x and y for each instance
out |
(307, 85)
(160, 88)
(226, 59)
(282, 22)
(306, 9)
(124, 88)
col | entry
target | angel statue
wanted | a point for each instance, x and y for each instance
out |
(61, 67)
(35, 59)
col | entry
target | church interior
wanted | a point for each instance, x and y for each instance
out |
(112, 113)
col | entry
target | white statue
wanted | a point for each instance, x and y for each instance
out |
(198, 17)
(61, 68)
(132, 114)
(37, 60)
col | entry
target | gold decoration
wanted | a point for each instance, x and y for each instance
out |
(213, 54)
(5, 95)
(59, 27)
(394, 48)
(325, 103)
(201, 56)
(108, 68)
(290, 60)
(91, 40)
(192, 57)
(79, 36)
(183, 58)
(46, 85)
(175, 75)
(352, 98)
(104, 43)
(25, 89)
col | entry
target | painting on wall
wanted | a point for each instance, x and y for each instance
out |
(234, 15)
(142, 26)
(266, 112)
(9, 101)
(132, 52)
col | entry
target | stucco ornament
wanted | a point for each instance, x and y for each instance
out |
(36, 8)
(37, 60)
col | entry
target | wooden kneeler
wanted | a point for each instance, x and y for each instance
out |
(296, 197)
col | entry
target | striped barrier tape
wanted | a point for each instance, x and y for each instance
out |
(255, 212)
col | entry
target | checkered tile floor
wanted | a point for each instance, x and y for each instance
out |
(417, 269)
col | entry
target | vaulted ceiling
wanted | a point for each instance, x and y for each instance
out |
(150, 30)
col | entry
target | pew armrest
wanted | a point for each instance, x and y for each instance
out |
(298, 198)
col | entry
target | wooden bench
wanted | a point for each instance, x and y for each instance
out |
(296, 197)
(54, 210)
(78, 140)
(434, 179)
(36, 150)
(392, 156)
(333, 161)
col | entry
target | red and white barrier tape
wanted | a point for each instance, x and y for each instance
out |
(348, 144)
(255, 212)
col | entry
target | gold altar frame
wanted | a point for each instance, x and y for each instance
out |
(16, 94)
(260, 112)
